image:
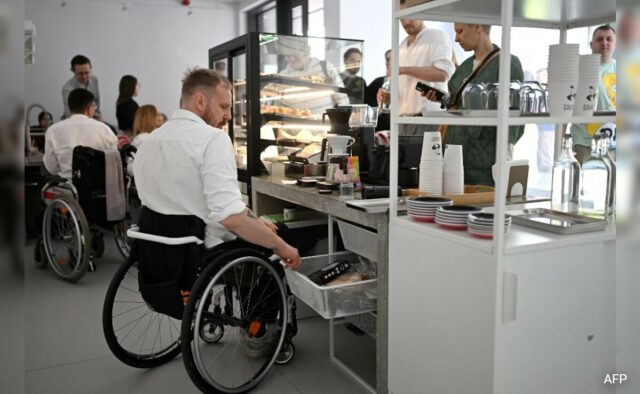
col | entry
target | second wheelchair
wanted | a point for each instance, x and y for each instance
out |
(74, 220)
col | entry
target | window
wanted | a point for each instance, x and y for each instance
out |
(263, 18)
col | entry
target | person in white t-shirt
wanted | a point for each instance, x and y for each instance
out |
(426, 55)
(80, 129)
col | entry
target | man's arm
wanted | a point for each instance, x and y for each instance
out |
(219, 177)
(98, 113)
(426, 73)
(50, 160)
(255, 231)
(66, 89)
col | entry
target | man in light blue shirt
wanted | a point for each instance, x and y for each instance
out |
(82, 78)
(603, 43)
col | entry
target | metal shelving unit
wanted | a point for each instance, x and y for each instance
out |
(470, 288)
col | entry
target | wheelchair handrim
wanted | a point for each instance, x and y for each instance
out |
(199, 362)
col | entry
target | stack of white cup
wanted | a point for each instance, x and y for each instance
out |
(453, 170)
(587, 95)
(430, 181)
(563, 78)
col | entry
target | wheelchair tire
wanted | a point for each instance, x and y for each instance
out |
(127, 320)
(71, 229)
(123, 243)
(236, 368)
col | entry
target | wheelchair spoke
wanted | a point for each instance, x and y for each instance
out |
(127, 311)
(133, 321)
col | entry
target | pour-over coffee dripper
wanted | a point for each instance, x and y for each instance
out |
(338, 144)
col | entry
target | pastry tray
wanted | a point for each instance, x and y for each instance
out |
(557, 221)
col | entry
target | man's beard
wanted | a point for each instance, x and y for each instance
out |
(209, 119)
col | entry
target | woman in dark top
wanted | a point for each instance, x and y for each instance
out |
(126, 106)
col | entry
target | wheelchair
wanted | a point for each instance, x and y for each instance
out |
(240, 290)
(74, 221)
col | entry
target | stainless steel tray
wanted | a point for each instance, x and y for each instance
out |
(557, 222)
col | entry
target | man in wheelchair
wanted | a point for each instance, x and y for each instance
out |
(186, 179)
(85, 193)
(80, 129)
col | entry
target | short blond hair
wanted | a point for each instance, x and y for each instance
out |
(145, 120)
(202, 78)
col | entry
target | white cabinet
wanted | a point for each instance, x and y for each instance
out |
(532, 312)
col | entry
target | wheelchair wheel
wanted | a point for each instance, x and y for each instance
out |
(136, 334)
(243, 294)
(286, 353)
(66, 238)
(123, 243)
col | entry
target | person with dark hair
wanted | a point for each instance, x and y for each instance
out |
(126, 106)
(82, 78)
(372, 88)
(603, 42)
(187, 167)
(353, 83)
(79, 129)
(45, 119)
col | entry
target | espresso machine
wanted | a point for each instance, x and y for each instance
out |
(350, 121)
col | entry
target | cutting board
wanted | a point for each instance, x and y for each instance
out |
(473, 195)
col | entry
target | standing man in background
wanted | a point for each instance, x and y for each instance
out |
(604, 44)
(426, 55)
(82, 78)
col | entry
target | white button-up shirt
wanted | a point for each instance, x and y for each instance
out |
(187, 167)
(431, 48)
(78, 130)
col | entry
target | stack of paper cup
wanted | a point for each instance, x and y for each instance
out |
(564, 72)
(453, 170)
(587, 95)
(431, 164)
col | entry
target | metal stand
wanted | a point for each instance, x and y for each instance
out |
(333, 323)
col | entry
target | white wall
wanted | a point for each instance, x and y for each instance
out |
(368, 20)
(154, 41)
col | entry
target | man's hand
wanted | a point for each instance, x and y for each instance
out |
(430, 95)
(379, 96)
(289, 255)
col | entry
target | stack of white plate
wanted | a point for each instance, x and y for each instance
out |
(564, 72)
(454, 217)
(430, 180)
(480, 225)
(453, 170)
(587, 94)
(423, 209)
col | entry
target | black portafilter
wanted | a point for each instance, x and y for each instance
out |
(374, 191)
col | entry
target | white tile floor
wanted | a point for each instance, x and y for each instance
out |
(66, 352)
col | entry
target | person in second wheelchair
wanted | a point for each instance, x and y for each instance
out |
(186, 179)
(80, 129)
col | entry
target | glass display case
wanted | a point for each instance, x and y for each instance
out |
(282, 86)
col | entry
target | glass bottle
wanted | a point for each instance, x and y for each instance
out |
(606, 156)
(385, 105)
(565, 181)
(596, 183)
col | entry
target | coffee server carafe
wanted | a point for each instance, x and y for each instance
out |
(339, 119)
